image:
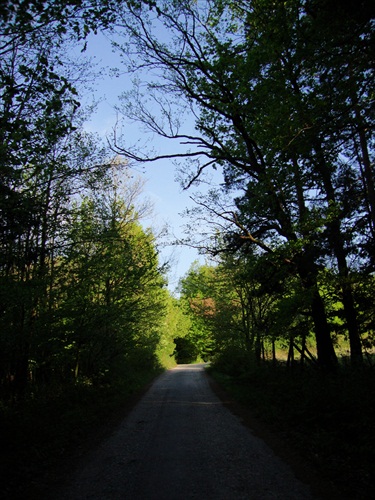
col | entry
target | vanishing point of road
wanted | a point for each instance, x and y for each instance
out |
(179, 442)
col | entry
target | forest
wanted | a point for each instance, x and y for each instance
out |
(281, 94)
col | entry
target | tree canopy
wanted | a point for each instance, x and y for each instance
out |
(283, 104)
(82, 291)
(281, 94)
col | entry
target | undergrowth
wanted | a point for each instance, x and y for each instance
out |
(329, 419)
(44, 429)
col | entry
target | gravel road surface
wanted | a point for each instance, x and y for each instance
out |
(180, 442)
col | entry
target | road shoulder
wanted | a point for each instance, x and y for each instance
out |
(303, 470)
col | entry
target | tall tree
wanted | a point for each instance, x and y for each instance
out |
(108, 299)
(244, 70)
(41, 159)
(198, 305)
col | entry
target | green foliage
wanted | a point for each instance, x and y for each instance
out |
(283, 104)
(176, 324)
(234, 361)
(186, 350)
(230, 308)
(243, 311)
(196, 302)
(82, 298)
(98, 333)
(364, 293)
(111, 301)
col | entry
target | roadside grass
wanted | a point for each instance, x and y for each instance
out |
(328, 419)
(41, 433)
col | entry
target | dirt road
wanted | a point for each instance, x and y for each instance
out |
(180, 442)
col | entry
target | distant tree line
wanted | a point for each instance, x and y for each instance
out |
(241, 314)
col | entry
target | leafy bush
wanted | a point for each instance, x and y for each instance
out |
(234, 361)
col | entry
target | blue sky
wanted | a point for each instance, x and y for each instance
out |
(161, 186)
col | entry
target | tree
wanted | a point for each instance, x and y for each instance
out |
(176, 325)
(30, 254)
(253, 76)
(111, 301)
(43, 161)
(197, 304)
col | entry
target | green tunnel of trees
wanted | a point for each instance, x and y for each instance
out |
(283, 99)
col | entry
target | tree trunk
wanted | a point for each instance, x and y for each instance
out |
(335, 239)
(307, 272)
(290, 360)
(258, 348)
(263, 350)
(367, 175)
(21, 360)
(76, 368)
(274, 360)
(303, 350)
(326, 354)
(364, 157)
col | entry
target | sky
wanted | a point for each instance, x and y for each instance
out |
(161, 187)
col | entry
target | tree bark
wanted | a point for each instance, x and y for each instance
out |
(364, 158)
(327, 358)
(274, 360)
(335, 239)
